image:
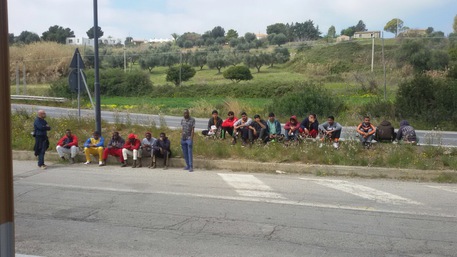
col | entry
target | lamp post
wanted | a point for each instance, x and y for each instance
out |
(98, 113)
(6, 170)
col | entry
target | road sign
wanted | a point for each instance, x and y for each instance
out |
(74, 61)
(73, 79)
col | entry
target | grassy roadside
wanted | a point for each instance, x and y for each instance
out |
(349, 154)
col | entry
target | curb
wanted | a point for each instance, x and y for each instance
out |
(280, 168)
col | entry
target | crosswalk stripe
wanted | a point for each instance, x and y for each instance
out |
(445, 188)
(363, 191)
(248, 185)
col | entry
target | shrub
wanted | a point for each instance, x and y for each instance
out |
(177, 74)
(309, 98)
(238, 73)
(378, 108)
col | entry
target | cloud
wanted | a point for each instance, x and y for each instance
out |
(160, 18)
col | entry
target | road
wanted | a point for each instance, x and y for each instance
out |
(445, 138)
(78, 210)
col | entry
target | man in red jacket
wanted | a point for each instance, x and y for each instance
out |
(68, 144)
(131, 147)
(227, 125)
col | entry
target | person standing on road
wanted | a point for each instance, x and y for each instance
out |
(187, 139)
(40, 132)
(68, 144)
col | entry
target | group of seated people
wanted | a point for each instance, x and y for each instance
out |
(117, 147)
(250, 130)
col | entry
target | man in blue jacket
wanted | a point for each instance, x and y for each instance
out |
(40, 132)
(274, 128)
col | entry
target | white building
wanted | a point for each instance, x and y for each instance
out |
(160, 40)
(367, 34)
(90, 42)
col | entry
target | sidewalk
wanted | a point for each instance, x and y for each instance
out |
(267, 167)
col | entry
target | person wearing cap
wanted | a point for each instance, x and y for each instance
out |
(274, 128)
(68, 144)
(94, 146)
(114, 148)
(258, 129)
(146, 147)
(131, 147)
(161, 149)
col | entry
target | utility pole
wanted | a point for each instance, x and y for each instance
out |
(125, 61)
(384, 67)
(372, 52)
(98, 112)
(6, 169)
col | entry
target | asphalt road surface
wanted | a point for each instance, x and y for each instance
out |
(444, 138)
(79, 210)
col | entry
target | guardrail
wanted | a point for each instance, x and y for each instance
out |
(39, 98)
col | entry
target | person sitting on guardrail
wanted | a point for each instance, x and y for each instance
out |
(309, 127)
(214, 125)
(227, 124)
(68, 144)
(406, 133)
(366, 132)
(131, 147)
(292, 128)
(330, 130)
(241, 128)
(385, 132)
(94, 146)
(258, 129)
(146, 147)
(114, 148)
(274, 129)
(161, 149)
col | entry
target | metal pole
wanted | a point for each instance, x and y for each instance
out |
(98, 113)
(180, 68)
(24, 80)
(17, 79)
(384, 67)
(6, 160)
(372, 52)
(79, 87)
(125, 61)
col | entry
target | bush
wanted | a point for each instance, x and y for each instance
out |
(177, 74)
(378, 108)
(238, 73)
(309, 98)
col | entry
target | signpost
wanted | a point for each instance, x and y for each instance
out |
(76, 76)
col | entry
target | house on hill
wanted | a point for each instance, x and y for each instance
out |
(343, 38)
(367, 34)
(413, 33)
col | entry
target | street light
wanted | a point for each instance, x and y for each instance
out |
(98, 113)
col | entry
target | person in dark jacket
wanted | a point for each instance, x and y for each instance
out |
(407, 133)
(258, 129)
(385, 132)
(40, 132)
(214, 125)
(309, 127)
(114, 148)
(161, 149)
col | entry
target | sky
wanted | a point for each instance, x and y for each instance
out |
(148, 19)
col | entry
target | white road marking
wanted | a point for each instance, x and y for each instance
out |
(23, 255)
(246, 199)
(363, 191)
(445, 188)
(248, 185)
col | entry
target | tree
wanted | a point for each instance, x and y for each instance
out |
(217, 31)
(331, 32)
(175, 37)
(220, 40)
(231, 34)
(238, 73)
(394, 26)
(128, 41)
(278, 39)
(350, 31)
(188, 36)
(360, 26)
(277, 28)
(115, 60)
(305, 31)
(249, 37)
(256, 60)
(149, 62)
(177, 74)
(282, 54)
(234, 42)
(90, 32)
(27, 37)
(57, 34)
(11, 38)
(233, 58)
(454, 26)
(217, 60)
(198, 59)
